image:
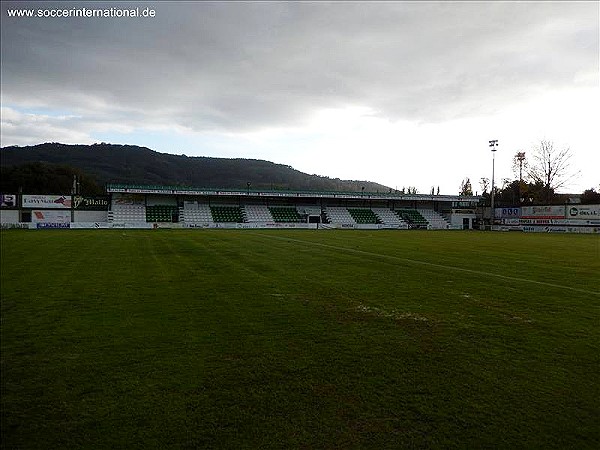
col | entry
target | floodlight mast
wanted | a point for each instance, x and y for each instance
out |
(493, 145)
(521, 159)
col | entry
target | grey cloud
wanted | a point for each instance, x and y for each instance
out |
(247, 65)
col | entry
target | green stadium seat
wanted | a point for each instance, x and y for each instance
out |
(286, 215)
(413, 218)
(363, 215)
(227, 214)
(162, 213)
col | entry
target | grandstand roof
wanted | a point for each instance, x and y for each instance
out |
(186, 190)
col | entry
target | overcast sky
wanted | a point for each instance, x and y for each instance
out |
(400, 93)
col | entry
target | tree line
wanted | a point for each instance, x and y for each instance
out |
(44, 178)
(537, 177)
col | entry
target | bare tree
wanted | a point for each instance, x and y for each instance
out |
(551, 167)
(485, 184)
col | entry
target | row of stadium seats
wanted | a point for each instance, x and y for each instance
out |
(286, 215)
(229, 214)
(258, 213)
(127, 213)
(413, 217)
(162, 213)
(363, 215)
(338, 214)
(199, 213)
(193, 212)
(436, 221)
(388, 217)
(402, 218)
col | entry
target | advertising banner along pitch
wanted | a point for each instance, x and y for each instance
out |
(97, 203)
(53, 216)
(583, 212)
(47, 201)
(508, 213)
(128, 199)
(546, 212)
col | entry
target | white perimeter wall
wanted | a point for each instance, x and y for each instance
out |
(9, 215)
(91, 216)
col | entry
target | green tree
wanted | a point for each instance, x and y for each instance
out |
(590, 196)
(508, 195)
(515, 193)
(465, 187)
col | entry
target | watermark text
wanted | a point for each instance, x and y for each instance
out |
(87, 13)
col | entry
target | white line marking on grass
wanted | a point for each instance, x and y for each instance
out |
(430, 264)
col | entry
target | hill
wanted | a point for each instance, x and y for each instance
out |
(140, 165)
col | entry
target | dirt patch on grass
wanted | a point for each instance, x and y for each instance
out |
(390, 313)
(502, 312)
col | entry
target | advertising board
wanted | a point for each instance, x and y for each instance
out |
(52, 216)
(52, 225)
(47, 201)
(583, 212)
(554, 229)
(128, 199)
(573, 222)
(545, 212)
(8, 201)
(96, 203)
(90, 225)
(507, 213)
(251, 225)
(136, 225)
(14, 225)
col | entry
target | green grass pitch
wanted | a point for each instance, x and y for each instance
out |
(299, 339)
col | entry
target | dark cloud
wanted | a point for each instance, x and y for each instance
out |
(240, 66)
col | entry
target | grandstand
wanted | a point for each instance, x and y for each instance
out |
(139, 206)
(135, 206)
